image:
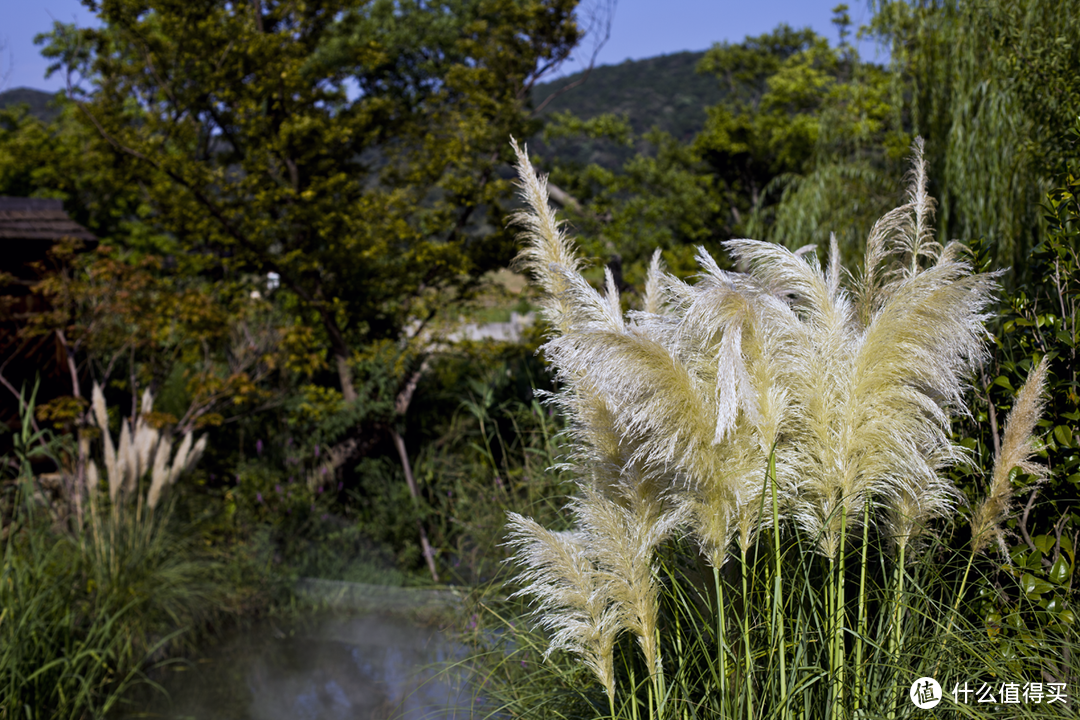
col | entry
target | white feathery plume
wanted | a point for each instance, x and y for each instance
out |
(1017, 448)
(159, 474)
(196, 453)
(146, 436)
(653, 300)
(92, 478)
(918, 240)
(547, 254)
(126, 459)
(621, 539)
(142, 449)
(179, 463)
(109, 451)
(571, 597)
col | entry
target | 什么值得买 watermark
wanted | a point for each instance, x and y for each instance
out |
(926, 693)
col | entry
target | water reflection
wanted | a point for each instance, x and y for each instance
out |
(338, 667)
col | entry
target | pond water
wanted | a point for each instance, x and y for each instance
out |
(362, 664)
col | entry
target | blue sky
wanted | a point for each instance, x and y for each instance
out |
(641, 28)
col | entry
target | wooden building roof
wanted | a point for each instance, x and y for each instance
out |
(37, 219)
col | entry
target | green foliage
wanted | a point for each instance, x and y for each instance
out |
(663, 92)
(61, 653)
(500, 458)
(704, 675)
(88, 601)
(804, 141)
(992, 87)
(1033, 599)
(486, 447)
(657, 199)
(254, 154)
(40, 104)
(353, 148)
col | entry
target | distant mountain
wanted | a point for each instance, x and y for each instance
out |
(40, 102)
(663, 91)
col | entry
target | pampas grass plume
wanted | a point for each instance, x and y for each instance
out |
(1017, 447)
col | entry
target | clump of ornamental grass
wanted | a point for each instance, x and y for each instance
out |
(132, 552)
(81, 612)
(143, 450)
(1017, 448)
(785, 419)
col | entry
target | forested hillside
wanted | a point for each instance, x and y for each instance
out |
(665, 92)
(38, 101)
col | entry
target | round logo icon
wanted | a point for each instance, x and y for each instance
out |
(925, 693)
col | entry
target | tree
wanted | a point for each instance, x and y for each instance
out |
(803, 142)
(349, 147)
(993, 88)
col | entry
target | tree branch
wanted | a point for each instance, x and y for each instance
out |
(600, 18)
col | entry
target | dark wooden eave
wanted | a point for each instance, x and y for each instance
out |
(38, 219)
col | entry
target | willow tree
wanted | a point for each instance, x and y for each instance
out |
(993, 88)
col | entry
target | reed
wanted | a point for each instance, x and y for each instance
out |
(793, 423)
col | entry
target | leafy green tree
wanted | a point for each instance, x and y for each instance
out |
(349, 147)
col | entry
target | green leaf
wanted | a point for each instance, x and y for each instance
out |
(1014, 475)
(1060, 571)
(1033, 587)
(1064, 435)
(1045, 543)
(1018, 553)
(1004, 382)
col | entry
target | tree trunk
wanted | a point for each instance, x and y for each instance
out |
(401, 406)
(345, 376)
(429, 555)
